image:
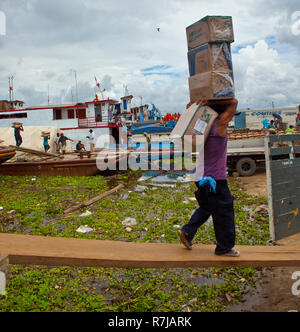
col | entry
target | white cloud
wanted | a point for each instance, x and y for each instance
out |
(262, 78)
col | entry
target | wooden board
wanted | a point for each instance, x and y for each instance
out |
(34, 250)
(94, 200)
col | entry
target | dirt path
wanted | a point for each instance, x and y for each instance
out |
(274, 294)
(255, 185)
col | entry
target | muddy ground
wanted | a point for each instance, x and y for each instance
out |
(274, 294)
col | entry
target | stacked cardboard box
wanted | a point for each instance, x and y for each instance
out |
(17, 125)
(45, 134)
(210, 61)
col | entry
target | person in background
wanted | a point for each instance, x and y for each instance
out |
(80, 147)
(298, 119)
(290, 130)
(46, 143)
(63, 143)
(129, 136)
(277, 120)
(271, 125)
(92, 141)
(213, 194)
(18, 137)
(56, 142)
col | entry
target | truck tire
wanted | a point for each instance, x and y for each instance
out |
(246, 167)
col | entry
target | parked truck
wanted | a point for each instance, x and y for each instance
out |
(244, 155)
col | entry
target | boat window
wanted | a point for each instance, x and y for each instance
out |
(71, 114)
(13, 116)
(81, 114)
(57, 114)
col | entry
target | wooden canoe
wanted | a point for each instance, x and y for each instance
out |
(6, 154)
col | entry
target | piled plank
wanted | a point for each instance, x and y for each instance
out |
(248, 134)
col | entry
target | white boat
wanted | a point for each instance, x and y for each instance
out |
(76, 120)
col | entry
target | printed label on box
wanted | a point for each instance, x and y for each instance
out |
(200, 127)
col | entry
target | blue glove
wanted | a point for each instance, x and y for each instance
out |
(208, 182)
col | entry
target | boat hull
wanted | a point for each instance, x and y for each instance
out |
(85, 167)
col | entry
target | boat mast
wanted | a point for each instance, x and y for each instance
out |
(11, 88)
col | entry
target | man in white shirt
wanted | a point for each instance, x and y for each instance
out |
(56, 141)
(92, 140)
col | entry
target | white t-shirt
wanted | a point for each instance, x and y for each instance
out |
(92, 138)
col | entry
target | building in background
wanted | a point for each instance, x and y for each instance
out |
(252, 119)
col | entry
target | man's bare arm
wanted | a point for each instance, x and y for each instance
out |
(226, 117)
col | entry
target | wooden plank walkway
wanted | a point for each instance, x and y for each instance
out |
(33, 250)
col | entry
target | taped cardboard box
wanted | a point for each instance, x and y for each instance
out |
(210, 57)
(196, 121)
(210, 29)
(212, 85)
(45, 134)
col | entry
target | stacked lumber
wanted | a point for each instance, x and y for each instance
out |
(248, 134)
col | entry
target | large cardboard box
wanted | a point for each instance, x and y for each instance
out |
(210, 57)
(197, 120)
(210, 29)
(212, 85)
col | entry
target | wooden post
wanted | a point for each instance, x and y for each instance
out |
(160, 155)
(149, 157)
(268, 159)
(172, 156)
(4, 273)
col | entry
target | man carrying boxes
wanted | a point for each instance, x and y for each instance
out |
(213, 194)
(209, 113)
(18, 127)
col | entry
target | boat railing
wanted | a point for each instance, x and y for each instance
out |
(93, 122)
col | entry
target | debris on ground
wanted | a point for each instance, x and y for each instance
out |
(94, 200)
(262, 209)
(84, 230)
(86, 214)
(140, 189)
(130, 222)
